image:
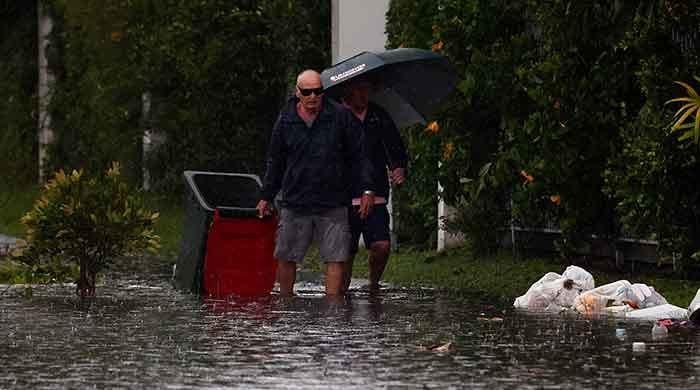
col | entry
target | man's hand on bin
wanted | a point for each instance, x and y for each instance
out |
(264, 209)
(366, 204)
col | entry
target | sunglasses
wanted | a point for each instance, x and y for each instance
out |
(309, 91)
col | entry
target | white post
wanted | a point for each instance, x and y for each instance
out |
(151, 139)
(441, 214)
(392, 223)
(45, 133)
(445, 239)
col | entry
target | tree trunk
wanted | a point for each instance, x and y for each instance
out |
(85, 287)
(45, 133)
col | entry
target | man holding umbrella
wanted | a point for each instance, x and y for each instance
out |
(386, 90)
(388, 156)
(314, 146)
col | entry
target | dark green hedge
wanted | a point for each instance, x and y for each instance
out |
(217, 72)
(18, 79)
(561, 109)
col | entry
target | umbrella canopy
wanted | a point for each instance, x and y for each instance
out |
(410, 83)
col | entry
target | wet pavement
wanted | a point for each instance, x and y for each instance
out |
(140, 333)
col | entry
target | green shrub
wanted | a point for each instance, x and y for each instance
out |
(691, 104)
(480, 213)
(561, 103)
(88, 221)
(415, 203)
(216, 72)
(18, 80)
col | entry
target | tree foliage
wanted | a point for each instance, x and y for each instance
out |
(18, 79)
(559, 118)
(216, 73)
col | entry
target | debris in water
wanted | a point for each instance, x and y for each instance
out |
(492, 319)
(443, 348)
(447, 347)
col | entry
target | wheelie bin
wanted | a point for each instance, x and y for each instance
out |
(226, 249)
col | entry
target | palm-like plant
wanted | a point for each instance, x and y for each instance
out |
(691, 106)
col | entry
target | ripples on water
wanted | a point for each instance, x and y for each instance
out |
(143, 334)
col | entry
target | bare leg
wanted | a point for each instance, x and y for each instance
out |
(347, 273)
(286, 275)
(378, 257)
(334, 277)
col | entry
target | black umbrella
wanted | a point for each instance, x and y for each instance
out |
(411, 83)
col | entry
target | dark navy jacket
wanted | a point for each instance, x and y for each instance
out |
(384, 147)
(312, 166)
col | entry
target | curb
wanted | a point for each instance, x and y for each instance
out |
(7, 244)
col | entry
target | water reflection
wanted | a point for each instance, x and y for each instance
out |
(142, 334)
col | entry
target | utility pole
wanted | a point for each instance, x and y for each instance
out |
(46, 78)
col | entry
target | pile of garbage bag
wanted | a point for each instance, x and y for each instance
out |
(575, 290)
(554, 292)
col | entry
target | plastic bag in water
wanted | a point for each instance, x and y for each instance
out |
(554, 292)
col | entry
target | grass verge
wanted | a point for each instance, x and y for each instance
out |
(14, 203)
(503, 277)
(169, 223)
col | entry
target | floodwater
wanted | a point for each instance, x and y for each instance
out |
(140, 333)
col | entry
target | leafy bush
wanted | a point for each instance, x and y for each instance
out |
(691, 104)
(18, 80)
(415, 203)
(558, 115)
(216, 72)
(88, 221)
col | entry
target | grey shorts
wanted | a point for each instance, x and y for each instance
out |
(329, 229)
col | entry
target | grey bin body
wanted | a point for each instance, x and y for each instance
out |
(233, 194)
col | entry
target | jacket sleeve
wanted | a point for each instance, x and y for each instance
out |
(393, 145)
(358, 154)
(275, 164)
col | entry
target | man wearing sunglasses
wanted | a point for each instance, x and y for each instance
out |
(389, 159)
(314, 147)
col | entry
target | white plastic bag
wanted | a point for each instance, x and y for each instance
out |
(590, 302)
(645, 296)
(638, 295)
(659, 312)
(522, 302)
(580, 276)
(620, 297)
(553, 296)
(554, 292)
(602, 299)
(693, 308)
